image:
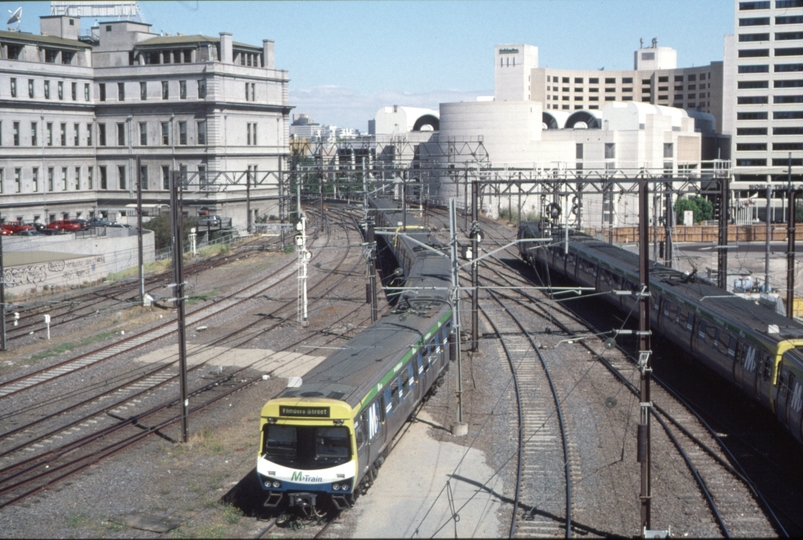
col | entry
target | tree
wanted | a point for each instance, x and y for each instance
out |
(161, 227)
(702, 208)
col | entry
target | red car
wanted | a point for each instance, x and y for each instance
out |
(66, 224)
(5, 232)
(16, 226)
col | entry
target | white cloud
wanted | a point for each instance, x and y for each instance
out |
(347, 107)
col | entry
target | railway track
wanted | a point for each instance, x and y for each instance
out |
(8, 473)
(734, 505)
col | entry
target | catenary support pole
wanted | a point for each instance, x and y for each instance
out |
(178, 279)
(790, 255)
(722, 256)
(475, 248)
(140, 253)
(644, 357)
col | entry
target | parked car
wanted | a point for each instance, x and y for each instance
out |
(98, 221)
(28, 232)
(67, 224)
(5, 232)
(214, 220)
(16, 226)
(51, 232)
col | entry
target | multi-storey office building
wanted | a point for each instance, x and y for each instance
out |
(655, 78)
(77, 113)
(764, 92)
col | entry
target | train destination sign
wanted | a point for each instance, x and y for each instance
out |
(311, 412)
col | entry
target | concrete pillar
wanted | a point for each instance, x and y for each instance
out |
(267, 53)
(226, 49)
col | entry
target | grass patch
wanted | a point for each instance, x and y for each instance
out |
(232, 514)
(77, 520)
(65, 347)
(202, 297)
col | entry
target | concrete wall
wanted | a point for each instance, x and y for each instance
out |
(31, 263)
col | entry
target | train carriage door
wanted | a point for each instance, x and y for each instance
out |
(363, 445)
(745, 367)
(782, 399)
(793, 414)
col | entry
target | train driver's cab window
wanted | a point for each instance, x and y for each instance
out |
(307, 447)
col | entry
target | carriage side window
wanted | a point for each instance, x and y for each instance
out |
(410, 376)
(690, 322)
(783, 384)
(422, 366)
(680, 318)
(656, 306)
(715, 339)
(766, 367)
(732, 346)
(389, 402)
(395, 396)
(404, 385)
(701, 331)
(667, 308)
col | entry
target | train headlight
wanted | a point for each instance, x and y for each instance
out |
(277, 484)
(336, 487)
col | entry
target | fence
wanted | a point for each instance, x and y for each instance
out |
(695, 233)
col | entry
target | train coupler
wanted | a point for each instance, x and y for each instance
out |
(304, 502)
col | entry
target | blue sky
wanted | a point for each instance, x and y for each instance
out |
(347, 59)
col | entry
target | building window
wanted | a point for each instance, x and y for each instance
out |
(750, 84)
(50, 178)
(756, 37)
(121, 176)
(76, 135)
(143, 90)
(578, 151)
(669, 150)
(50, 133)
(751, 116)
(786, 115)
(789, 83)
(101, 134)
(202, 179)
(202, 132)
(201, 88)
(34, 133)
(63, 134)
(90, 177)
(165, 177)
(35, 179)
(779, 4)
(104, 181)
(143, 176)
(16, 133)
(47, 89)
(143, 134)
(17, 180)
(64, 179)
(89, 134)
(664, 78)
(750, 100)
(121, 134)
(754, 53)
(757, 21)
(61, 90)
(790, 19)
(77, 178)
(787, 99)
(102, 91)
(182, 133)
(120, 91)
(13, 87)
(86, 91)
(754, 5)
(250, 91)
(610, 150)
(755, 69)
(251, 129)
(748, 147)
(182, 89)
(165, 133)
(165, 90)
(74, 91)
(751, 131)
(30, 88)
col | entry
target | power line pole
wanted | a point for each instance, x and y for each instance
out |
(140, 254)
(178, 277)
(644, 358)
(722, 255)
(475, 247)
(2, 291)
(459, 427)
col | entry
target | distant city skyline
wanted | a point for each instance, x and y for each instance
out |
(346, 59)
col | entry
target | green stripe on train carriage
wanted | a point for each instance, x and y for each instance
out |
(397, 367)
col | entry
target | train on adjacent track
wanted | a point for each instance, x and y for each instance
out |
(751, 346)
(322, 442)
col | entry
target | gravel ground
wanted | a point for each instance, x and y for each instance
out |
(206, 488)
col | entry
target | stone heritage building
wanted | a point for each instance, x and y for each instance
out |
(77, 113)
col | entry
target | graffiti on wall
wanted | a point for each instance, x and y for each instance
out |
(59, 272)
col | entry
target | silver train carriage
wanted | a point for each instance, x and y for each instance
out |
(754, 348)
(325, 440)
